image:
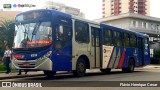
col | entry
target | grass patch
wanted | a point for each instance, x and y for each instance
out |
(2, 67)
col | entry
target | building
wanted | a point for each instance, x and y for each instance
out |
(7, 15)
(136, 22)
(62, 7)
(116, 7)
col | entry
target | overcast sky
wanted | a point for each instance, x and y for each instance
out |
(91, 8)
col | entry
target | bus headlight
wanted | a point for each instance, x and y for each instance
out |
(18, 56)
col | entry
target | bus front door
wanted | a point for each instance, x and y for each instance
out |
(146, 51)
(140, 52)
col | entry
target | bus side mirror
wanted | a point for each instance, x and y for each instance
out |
(146, 46)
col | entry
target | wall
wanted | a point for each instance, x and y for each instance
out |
(118, 23)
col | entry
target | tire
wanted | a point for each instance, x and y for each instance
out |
(108, 70)
(130, 68)
(80, 68)
(49, 73)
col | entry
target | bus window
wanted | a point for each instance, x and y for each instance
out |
(126, 39)
(63, 36)
(108, 38)
(140, 44)
(133, 41)
(81, 32)
(95, 32)
(117, 38)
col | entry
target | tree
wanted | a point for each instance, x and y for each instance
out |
(6, 33)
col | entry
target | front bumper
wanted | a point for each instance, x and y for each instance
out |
(43, 63)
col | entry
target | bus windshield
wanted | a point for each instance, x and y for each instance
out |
(34, 34)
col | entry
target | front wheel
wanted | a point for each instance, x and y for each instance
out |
(130, 68)
(49, 73)
(80, 68)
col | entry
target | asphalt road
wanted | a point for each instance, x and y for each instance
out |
(149, 73)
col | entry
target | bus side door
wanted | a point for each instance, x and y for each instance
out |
(95, 45)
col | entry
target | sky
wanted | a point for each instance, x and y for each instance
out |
(91, 8)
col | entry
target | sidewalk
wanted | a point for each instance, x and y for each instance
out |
(13, 75)
(153, 66)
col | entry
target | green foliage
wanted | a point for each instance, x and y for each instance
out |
(2, 67)
(155, 60)
(6, 34)
(157, 52)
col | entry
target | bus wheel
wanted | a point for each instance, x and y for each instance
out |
(130, 68)
(80, 68)
(108, 70)
(49, 73)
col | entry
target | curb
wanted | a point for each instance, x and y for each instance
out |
(154, 65)
(10, 72)
(19, 76)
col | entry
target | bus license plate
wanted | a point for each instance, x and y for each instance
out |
(26, 65)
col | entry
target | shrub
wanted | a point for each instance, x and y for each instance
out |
(155, 60)
(2, 67)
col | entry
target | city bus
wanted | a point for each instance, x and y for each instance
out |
(51, 41)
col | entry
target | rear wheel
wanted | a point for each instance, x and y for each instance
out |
(130, 68)
(49, 73)
(108, 70)
(80, 68)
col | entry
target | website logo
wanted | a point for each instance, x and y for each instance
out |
(26, 5)
(21, 84)
(6, 84)
(7, 6)
(19, 5)
(14, 5)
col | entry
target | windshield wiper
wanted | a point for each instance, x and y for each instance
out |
(26, 33)
(35, 30)
(25, 39)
